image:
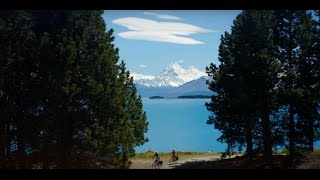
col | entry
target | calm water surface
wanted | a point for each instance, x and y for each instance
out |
(179, 124)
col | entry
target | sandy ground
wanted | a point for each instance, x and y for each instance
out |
(146, 164)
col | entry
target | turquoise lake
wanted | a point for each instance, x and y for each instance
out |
(180, 124)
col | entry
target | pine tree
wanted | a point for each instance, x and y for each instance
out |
(64, 102)
(134, 120)
(308, 70)
(245, 81)
(226, 117)
(287, 43)
(316, 65)
(267, 84)
(265, 69)
(18, 84)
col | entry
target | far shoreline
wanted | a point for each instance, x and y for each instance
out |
(173, 98)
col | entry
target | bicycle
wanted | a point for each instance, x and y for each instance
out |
(173, 160)
(157, 164)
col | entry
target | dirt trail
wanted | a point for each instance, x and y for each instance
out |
(146, 164)
(234, 162)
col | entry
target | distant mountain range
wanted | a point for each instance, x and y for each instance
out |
(172, 82)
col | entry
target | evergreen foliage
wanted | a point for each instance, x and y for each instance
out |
(267, 83)
(65, 101)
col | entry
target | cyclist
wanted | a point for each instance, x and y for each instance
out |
(157, 157)
(173, 158)
(173, 154)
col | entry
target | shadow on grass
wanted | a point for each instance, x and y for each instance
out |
(243, 162)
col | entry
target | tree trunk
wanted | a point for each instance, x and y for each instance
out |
(249, 136)
(8, 141)
(21, 145)
(310, 133)
(267, 138)
(2, 138)
(45, 157)
(66, 145)
(291, 131)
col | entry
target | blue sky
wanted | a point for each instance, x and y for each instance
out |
(149, 40)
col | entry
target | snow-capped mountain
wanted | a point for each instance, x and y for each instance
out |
(194, 87)
(172, 82)
(137, 76)
(172, 76)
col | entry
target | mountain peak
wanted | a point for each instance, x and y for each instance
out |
(174, 65)
(173, 69)
(172, 76)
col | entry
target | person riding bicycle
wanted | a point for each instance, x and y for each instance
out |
(173, 155)
(156, 156)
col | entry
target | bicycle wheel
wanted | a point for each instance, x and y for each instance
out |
(154, 165)
(176, 159)
(171, 161)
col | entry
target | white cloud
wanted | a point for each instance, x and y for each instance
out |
(163, 16)
(161, 37)
(180, 61)
(145, 29)
(142, 65)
